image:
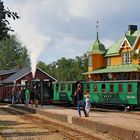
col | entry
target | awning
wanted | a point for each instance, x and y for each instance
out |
(115, 69)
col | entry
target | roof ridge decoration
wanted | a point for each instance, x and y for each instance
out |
(97, 27)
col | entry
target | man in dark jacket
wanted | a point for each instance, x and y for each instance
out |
(79, 98)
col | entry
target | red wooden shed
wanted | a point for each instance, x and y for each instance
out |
(20, 77)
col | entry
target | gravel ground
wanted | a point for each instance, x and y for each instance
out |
(13, 127)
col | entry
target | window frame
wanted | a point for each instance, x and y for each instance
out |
(129, 88)
(111, 88)
(90, 60)
(108, 61)
(95, 87)
(103, 88)
(120, 88)
(126, 58)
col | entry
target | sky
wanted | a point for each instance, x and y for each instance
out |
(51, 29)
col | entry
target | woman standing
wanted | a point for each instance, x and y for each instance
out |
(88, 104)
(79, 98)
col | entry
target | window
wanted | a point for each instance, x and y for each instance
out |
(57, 87)
(108, 61)
(111, 88)
(38, 84)
(47, 84)
(103, 87)
(129, 88)
(90, 61)
(23, 82)
(126, 58)
(63, 86)
(87, 87)
(69, 85)
(95, 88)
(120, 88)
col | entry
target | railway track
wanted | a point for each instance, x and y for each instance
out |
(68, 132)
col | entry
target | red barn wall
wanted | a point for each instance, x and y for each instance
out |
(6, 91)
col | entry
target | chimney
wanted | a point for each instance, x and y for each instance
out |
(132, 29)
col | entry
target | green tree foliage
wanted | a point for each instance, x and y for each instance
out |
(4, 23)
(66, 69)
(13, 54)
(50, 68)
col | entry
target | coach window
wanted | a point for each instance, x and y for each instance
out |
(87, 87)
(57, 85)
(103, 87)
(63, 86)
(129, 88)
(120, 88)
(69, 87)
(111, 88)
(95, 88)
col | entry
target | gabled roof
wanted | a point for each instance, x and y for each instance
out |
(114, 49)
(138, 36)
(21, 73)
(4, 72)
(47, 74)
(131, 39)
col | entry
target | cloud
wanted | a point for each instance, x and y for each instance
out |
(68, 47)
(79, 8)
(70, 25)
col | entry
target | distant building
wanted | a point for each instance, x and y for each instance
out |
(120, 62)
(9, 77)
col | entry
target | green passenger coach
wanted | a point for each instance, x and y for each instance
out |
(121, 93)
(116, 93)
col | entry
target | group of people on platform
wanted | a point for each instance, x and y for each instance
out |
(85, 104)
(26, 96)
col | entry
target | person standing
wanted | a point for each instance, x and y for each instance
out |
(88, 104)
(32, 97)
(27, 96)
(79, 98)
(13, 93)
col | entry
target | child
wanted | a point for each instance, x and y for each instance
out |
(88, 104)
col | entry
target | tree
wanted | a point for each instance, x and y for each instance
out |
(50, 68)
(4, 23)
(66, 69)
(12, 54)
